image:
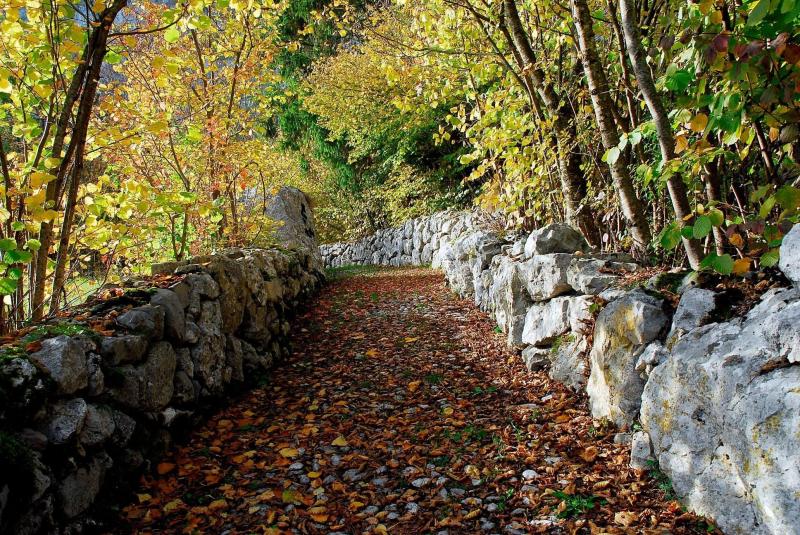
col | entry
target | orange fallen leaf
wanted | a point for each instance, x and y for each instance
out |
(340, 441)
(413, 386)
(165, 468)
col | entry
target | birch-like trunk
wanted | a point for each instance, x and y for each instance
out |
(602, 104)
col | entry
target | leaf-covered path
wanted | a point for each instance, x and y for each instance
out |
(402, 411)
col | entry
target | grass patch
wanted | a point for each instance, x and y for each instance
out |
(662, 480)
(575, 504)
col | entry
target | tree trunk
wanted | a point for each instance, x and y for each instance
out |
(602, 104)
(573, 182)
(666, 138)
(97, 51)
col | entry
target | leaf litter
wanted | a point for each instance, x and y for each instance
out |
(402, 411)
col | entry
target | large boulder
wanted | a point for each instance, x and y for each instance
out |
(695, 309)
(147, 387)
(554, 238)
(623, 329)
(79, 489)
(790, 255)
(64, 360)
(592, 276)
(291, 207)
(723, 416)
(545, 276)
(510, 299)
(545, 322)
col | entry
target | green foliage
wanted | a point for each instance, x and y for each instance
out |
(662, 480)
(575, 504)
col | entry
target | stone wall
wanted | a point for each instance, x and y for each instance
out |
(89, 401)
(716, 396)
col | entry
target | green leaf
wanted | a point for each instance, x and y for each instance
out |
(716, 217)
(687, 232)
(759, 12)
(8, 244)
(17, 257)
(766, 208)
(679, 80)
(7, 286)
(788, 197)
(112, 58)
(702, 227)
(770, 258)
(172, 34)
(17, 226)
(33, 245)
(670, 237)
(612, 155)
(723, 264)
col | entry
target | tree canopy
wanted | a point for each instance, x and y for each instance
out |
(138, 131)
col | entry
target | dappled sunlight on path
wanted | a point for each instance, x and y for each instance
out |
(402, 411)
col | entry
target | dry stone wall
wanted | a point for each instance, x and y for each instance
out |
(84, 412)
(717, 396)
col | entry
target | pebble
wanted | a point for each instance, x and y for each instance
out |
(412, 507)
(552, 460)
(379, 481)
(420, 482)
(352, 475)
(296, 466)
(486, 525)
(457, 492)
(371, 510)
(529, 474)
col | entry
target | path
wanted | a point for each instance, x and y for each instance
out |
(402, 412)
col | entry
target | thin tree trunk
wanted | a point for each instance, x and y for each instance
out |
(78, 141)
(602, 104)
(573, 182)
(666, 138)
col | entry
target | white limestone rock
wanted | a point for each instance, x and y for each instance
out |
(723, 415)
(622, 331)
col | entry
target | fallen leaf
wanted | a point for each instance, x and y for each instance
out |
(165, 468)
(289, 453)
(340, 441)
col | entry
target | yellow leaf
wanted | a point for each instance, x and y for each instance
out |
(144, 498)
(380, 529)
(313, 475)
(372, 353)
(447, 411)
(340, 441)
(172, 506)
(319, 514)
(681, 143)
(218, 505)
(39, 179)
(356, 505)
(413, 386)
(737, 240)
(157, 127)
(289, 452)
(5, 86)
(472, 514)
(410, 340)
(699, 122)
(741, 266)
